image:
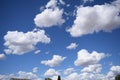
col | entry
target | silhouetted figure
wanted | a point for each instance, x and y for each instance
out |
(59, 78)
(117, 77)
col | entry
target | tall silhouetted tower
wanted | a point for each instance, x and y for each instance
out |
(59, 78)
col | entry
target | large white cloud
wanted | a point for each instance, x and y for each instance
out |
(20, 75)
(55, 61)
(2, 56)
(51, 72)
(51, 16)
(20, 42)
(96, 68)
(86, 76)
(72, 46)
(85, 58)
(94, 19)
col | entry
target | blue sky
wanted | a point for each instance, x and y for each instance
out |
(75, 39)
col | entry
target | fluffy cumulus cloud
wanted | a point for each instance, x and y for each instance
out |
(2, 56)
(55, 61)
(92, 72)
(51, 72)
(28, 75)
(114, 70)
(91, 76)
(6, 77)
(86, 76)
(85, 58)
(51, 16)
(72, 46)
(73, 76)
(35, 69)
(96, 68)
(68, 71)
(19, 42)
(94, 19)
(20, 75)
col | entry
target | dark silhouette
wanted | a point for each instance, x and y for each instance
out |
(48, 79)
(117, 77)
(59, 78)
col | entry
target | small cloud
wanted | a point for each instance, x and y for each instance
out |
(2, 56)
(35, 69)
(37, 51)
(47, 52)
(87, 1)
(69, 71)
(72, 46)
(68, 5)
(51, 72)
(55, 61)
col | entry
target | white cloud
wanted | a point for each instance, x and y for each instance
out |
(68, 71)
(51, 16)
(28, 75)
(2, 56)
(96, 68)
(20, 75)
(51, 72)
(86, 76)
(19, 42)
(54, 3)
(6, 77)
(73, 76)
(37, 51)
(62, 2)
(94, 75)
(85, 58)
(114, 70)
(94, 19)
(87, 1)
(91, 76)
(72, 46)
(54, 77)
(55, 61)
(116, 3)
(35, 69)
(51, 4)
